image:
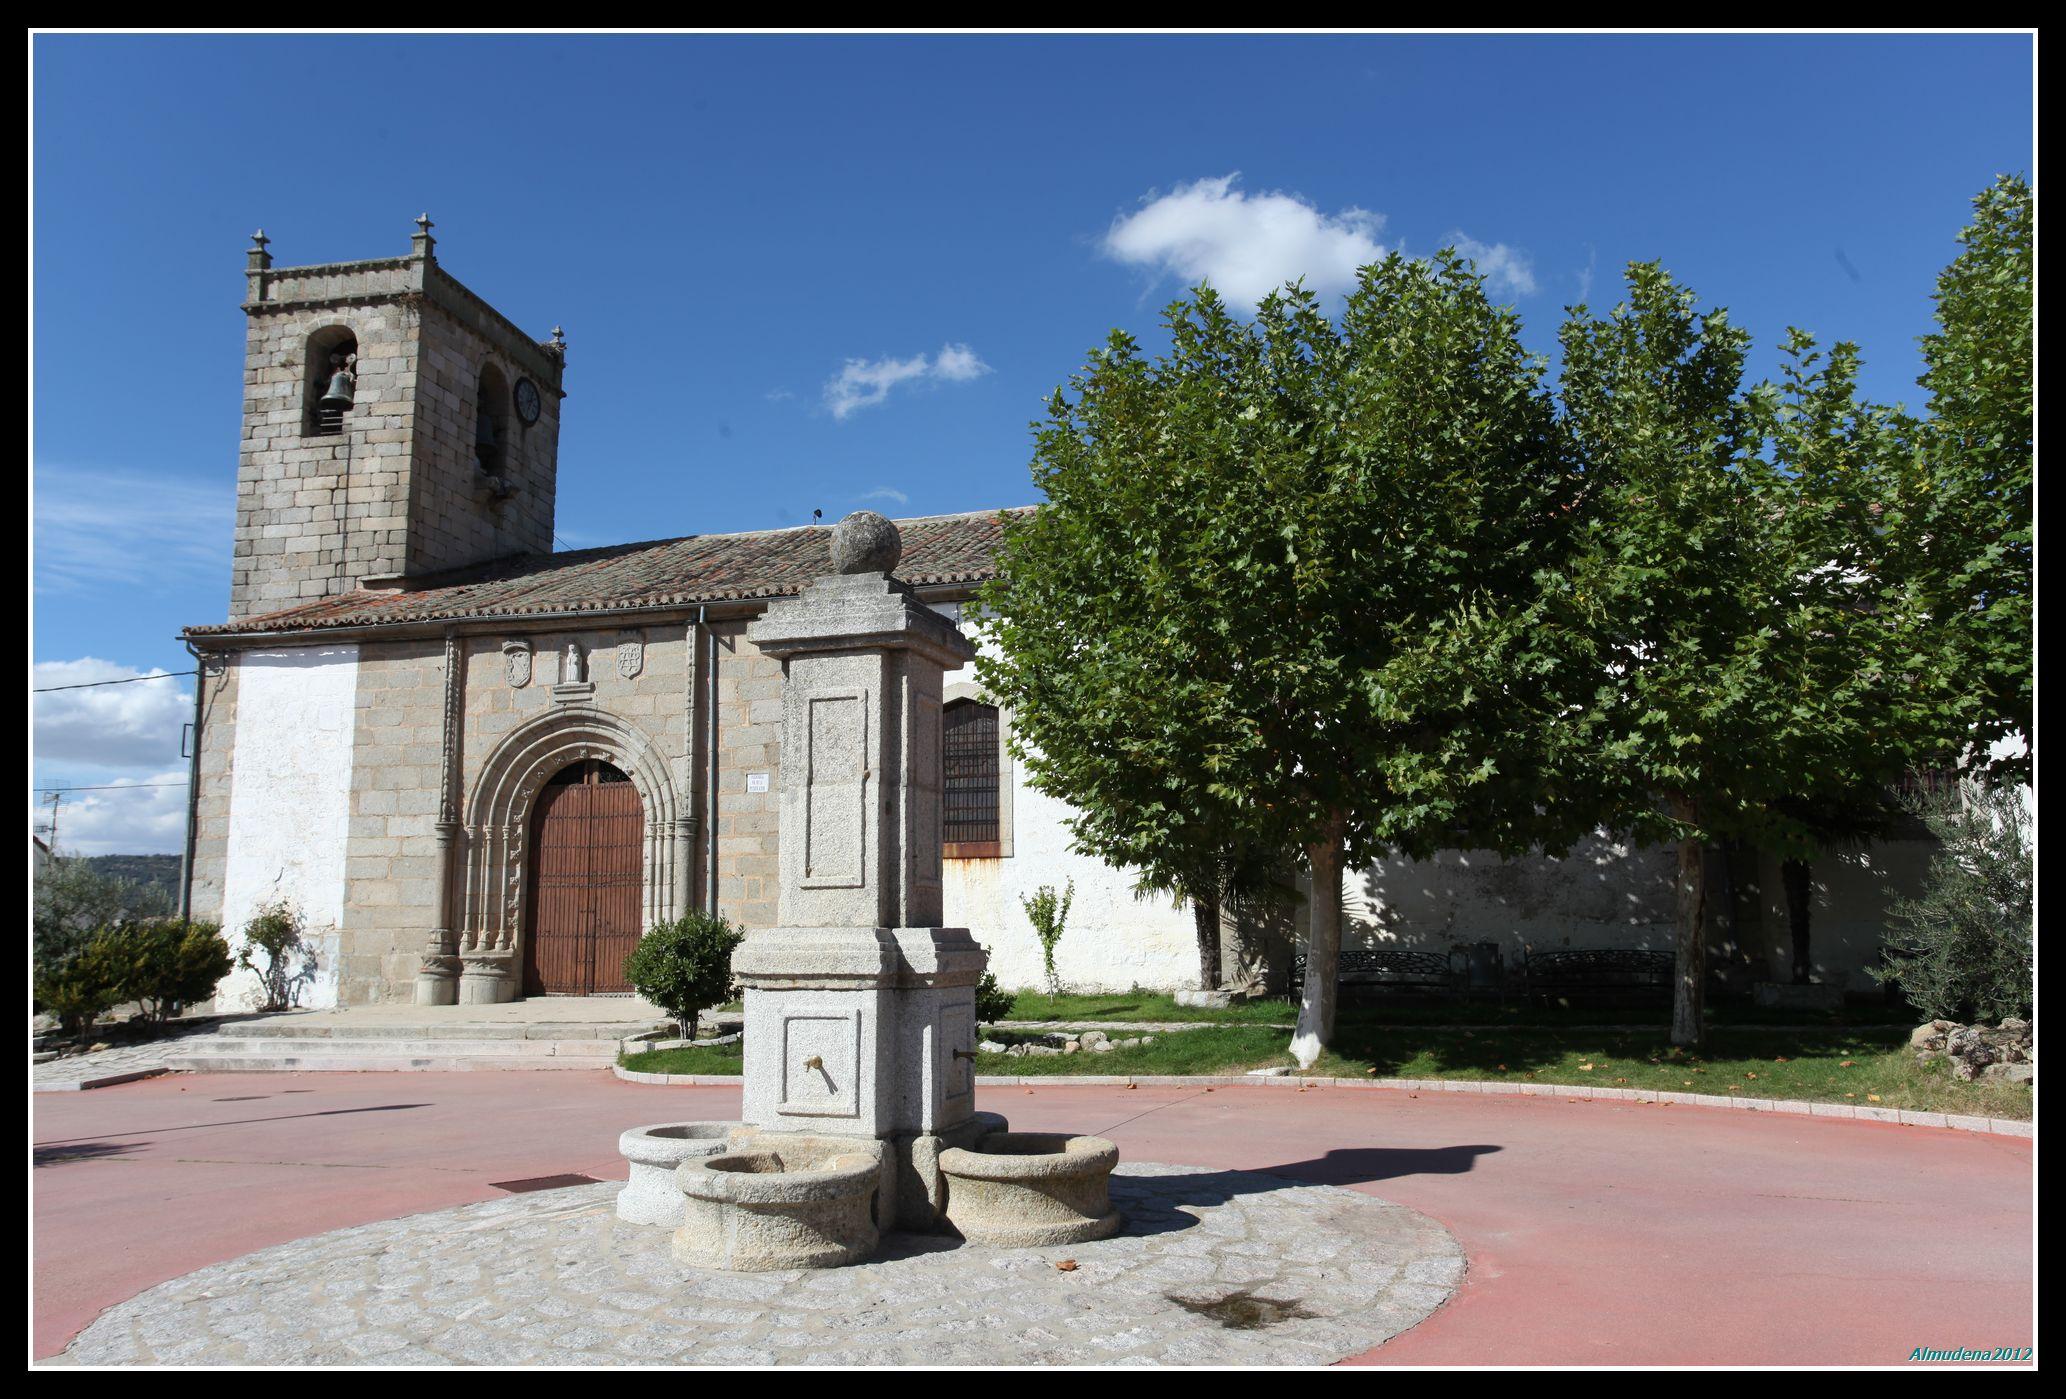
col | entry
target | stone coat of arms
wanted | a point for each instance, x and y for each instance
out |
(516, 663)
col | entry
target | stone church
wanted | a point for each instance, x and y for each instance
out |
(480, 768)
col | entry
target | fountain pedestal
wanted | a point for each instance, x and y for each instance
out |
(860, 1008)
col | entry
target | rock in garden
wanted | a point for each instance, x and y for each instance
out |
(1930, 1034)
(1973, 1049)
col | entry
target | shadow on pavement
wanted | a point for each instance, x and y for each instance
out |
(250, 1121)
(49, 1155)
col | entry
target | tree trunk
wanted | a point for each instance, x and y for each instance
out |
(1323, 949)
(1800, 896)
(1689, 995)
(1205, 912)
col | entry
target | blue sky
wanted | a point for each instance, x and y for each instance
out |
(817, 273)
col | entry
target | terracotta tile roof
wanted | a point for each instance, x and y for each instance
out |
(694, 569)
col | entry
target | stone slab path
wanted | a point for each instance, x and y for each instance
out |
(1214, 1267)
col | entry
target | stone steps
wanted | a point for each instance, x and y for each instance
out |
(552, 1031)
(462, 1048)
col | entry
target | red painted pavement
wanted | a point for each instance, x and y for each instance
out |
(1597, 1233)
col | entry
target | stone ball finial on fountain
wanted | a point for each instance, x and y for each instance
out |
(865, 542)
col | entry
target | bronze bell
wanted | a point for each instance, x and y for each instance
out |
(339, 394)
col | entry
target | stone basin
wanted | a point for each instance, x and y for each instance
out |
(780, 1200)
(655, 1151)
(1031, 1189)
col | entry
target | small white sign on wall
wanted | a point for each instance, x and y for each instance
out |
(756, 782)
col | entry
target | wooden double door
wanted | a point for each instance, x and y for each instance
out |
(587, 881)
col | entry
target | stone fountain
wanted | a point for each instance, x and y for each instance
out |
(860, 1008)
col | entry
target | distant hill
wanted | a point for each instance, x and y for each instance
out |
(159, 872)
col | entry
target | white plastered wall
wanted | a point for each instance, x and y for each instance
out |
(290, 803)
(1113, 941)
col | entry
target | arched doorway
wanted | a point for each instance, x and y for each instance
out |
(587, 878)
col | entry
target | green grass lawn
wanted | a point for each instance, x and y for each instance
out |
(698, 1059)
(1147, 1006)
(1867, 1066)
(1143, 1006)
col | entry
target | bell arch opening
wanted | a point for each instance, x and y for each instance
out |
(329, 381)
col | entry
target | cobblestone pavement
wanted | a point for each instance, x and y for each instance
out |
(1215, 1267)
(58, 1075)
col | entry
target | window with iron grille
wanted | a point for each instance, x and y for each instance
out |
(969, 826)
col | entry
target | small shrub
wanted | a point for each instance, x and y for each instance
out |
(685, 967)
(162, 963)
(1048, 912)
(993, 1002)
(1961, 949)
(276, 952)
(76, 990)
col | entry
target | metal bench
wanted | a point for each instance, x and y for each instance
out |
(1600, 973)
(1388, 970)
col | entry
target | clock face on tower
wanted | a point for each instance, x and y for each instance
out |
(527, 405)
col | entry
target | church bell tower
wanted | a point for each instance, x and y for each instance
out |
(395, 426)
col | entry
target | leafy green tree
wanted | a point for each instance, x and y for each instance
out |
(685, 967)
(1754, 655)
(1283, 599)
(1961, 949)
(1961, 521)
(74, 900)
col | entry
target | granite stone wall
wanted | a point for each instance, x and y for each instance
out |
(398, 491)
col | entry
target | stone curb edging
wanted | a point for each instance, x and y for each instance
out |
(79, 1085)
(1992, 1126)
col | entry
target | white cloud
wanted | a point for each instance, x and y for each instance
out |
(145, 815)
(1245, 245)
(958, 364)
(95, 527)
(109, 729)
(1249, 245)
(121, 738)
(1506, 269)
(863, 383)
(888, 493)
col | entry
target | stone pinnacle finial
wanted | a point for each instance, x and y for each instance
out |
(256, 261)
(559, 339)
(420, 242)
(865, 542)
